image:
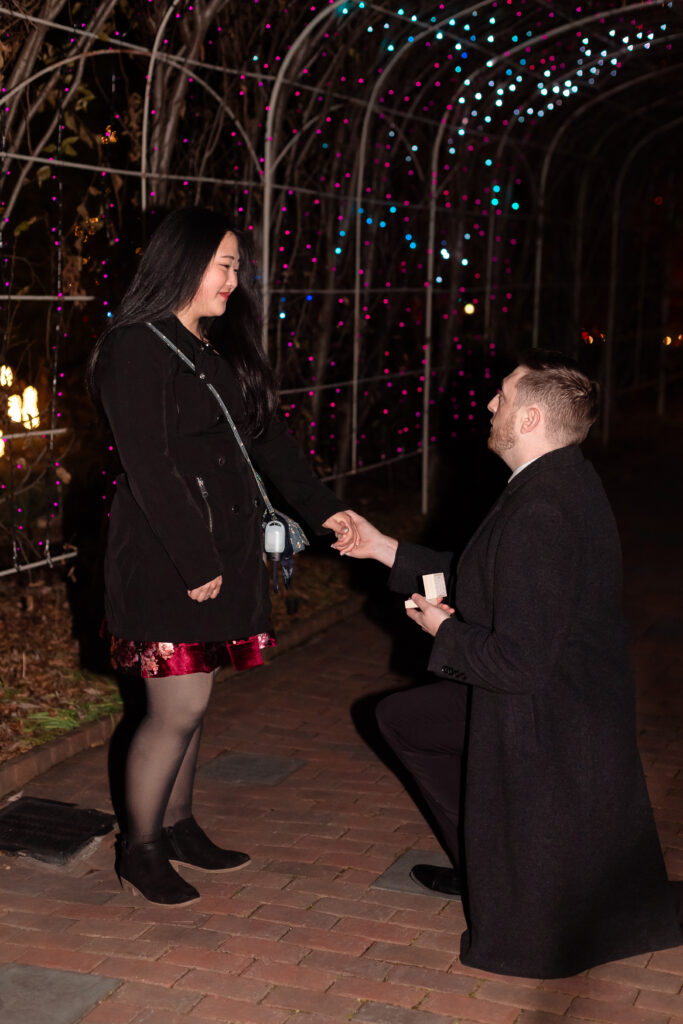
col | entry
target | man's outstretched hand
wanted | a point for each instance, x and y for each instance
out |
(363, 540)
(371, 542)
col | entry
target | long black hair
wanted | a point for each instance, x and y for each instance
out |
(167, 279)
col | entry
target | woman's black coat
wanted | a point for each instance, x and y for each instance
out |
(187, 508)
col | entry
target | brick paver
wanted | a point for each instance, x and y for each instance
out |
(300, 936)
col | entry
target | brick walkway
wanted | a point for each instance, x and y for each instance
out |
(300, 935)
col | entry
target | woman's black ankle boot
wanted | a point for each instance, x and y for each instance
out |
(147, 870)
(187, 843)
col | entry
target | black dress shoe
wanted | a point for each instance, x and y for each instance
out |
(445, 881)
(187, 843)
(147, 870)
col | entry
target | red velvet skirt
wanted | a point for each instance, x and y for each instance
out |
(156, 659)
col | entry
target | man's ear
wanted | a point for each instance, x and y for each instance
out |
(530, 419)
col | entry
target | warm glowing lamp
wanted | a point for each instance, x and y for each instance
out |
(24, 408)
(29, 411)
(14, 408)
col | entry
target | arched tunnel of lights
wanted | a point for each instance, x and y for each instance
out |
(430, 187)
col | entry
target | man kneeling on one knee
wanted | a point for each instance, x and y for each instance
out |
(525, 749)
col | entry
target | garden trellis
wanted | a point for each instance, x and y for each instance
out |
(428, 185)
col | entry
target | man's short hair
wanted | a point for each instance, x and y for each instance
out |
(568, 397)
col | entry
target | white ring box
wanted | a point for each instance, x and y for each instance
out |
(435, 587)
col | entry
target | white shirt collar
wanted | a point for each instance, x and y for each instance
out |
(523, 466)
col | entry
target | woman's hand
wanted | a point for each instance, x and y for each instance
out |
(429, 616)
(371, 543)
(207, 591)
(346, 530)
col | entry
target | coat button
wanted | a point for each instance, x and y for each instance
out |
(235, 508)
(256, 502)
(221, 460)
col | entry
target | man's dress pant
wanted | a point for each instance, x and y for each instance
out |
(425, 727)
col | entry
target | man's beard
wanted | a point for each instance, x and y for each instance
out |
(501, 439)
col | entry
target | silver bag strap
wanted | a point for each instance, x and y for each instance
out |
(223, 407)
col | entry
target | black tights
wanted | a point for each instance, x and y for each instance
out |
(162, 757)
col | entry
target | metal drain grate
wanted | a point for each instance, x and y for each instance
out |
(49, 830)
(250, 769)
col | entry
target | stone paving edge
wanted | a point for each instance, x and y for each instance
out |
(16, 772)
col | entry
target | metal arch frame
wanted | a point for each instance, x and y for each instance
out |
(221, 103)
(120, 46)
(550, 153)
(371, 109)
(20, 86)
(435, 191)
(181, 66)
(270, 162)
(545, 171)
(145, 107)
(489, 66)
(549, 156)
(46, 133)
(614, 262)
(509, 53)
(583, 191)
(426, 391)
(541, 190)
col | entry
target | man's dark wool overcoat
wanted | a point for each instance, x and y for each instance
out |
(563, 864)
(187, 508)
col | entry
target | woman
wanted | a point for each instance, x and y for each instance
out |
(185, 585)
